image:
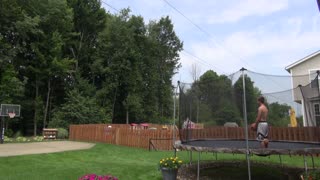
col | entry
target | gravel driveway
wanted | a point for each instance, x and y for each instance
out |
(15, 149)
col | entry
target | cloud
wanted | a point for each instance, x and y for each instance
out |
(260, 50)
(241, 9)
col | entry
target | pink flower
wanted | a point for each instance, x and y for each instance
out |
(96, 177)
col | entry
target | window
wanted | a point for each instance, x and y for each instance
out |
(317, 113)
(315, 82)
(317, 109)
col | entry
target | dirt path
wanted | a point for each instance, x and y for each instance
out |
(15, 149)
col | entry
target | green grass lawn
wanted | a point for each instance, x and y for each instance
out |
(124, 162)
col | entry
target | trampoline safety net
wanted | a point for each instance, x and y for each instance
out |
(217, 100)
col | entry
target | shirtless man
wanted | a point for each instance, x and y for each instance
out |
(261, 123)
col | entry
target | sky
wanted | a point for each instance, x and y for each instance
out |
(263, 36)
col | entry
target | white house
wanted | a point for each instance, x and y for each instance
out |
(305, 83)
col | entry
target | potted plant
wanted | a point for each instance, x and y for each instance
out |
(97, 177)
(169, 167)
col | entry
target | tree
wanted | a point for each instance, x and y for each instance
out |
(11, 88)
(166, 60)
(61, 50)
(89, 20)
(56, 25)
(78, 109)
(252, 94)
(214, 93)
(278, 114)
(195, 72)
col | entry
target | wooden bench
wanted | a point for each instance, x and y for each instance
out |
(50, 133)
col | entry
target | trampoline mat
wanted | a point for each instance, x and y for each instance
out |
(239, 146)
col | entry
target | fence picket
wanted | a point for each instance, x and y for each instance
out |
(125, 135)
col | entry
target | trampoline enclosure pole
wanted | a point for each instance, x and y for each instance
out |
(245, 122)
(198, 168)
(174, 120)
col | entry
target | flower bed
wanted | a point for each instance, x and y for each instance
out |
(98, 177)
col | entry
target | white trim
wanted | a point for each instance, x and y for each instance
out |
(303, 114)
(292, 86)
(302, 60)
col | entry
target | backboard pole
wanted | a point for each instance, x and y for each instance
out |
(2, 130)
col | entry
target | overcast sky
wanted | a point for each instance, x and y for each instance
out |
(261, 35)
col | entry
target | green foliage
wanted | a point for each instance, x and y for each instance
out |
(11, 88)
(212, 95)
(7, 139)
(38, 138)
(279, 114)
(121, 65)
(62, 133)
(78, 110)
(8, 133)
(252, 94)
(22, 139)
(18, 134)
(227, 114)
(170, 163)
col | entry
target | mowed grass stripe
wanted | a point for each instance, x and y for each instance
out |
(124, 162)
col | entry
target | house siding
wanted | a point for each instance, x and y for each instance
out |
(300, 75)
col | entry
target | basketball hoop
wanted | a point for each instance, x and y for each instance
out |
(12, 115)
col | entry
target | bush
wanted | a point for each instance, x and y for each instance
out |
(7, 139)
(78, 109)
(17, 134)
(8, 133)
(38, 138)
(62, 133)
(21, 139)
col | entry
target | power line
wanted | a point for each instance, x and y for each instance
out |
(202, 61)
(198, 27)
(110, 6)
(207, 33)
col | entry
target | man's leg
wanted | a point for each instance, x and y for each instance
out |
(265, 143)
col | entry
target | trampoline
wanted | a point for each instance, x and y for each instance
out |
(236, 146)
(219, 99)
(239, 147)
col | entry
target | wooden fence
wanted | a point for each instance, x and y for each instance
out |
(306, 134)
(124, 135)
(162, 139)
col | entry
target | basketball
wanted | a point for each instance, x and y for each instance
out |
(253, 127)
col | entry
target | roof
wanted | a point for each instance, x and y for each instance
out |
(302, 60)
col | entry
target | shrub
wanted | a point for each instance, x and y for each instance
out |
(7, 139)
(17, 134)
(8, 133)
(38, 138)
(62, 133)
(21, 139)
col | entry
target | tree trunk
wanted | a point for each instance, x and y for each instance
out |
(35, 110)
(47, 104)
(7, 124)
(127, 116)
(114, 103)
